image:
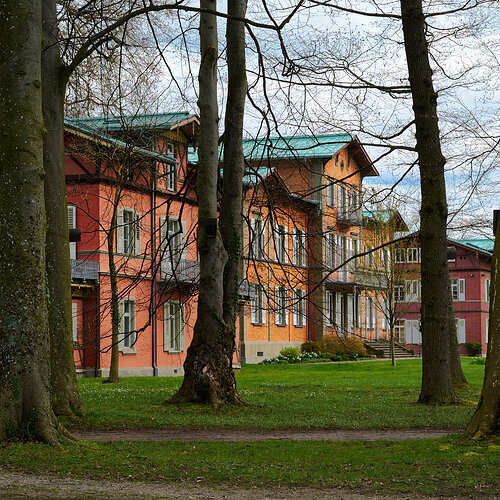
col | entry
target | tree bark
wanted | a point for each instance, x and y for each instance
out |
(66, 398)
(486, 419)
(437, 385)
(208, 369)
(25, 407)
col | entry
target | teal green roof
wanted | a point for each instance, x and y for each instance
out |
(293, 147)
(157, 121)
(70, 123)
(378, 215)
(482, 244)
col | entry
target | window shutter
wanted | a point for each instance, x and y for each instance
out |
(461, 331)
(133, 337)
(350, 313)
(183, 240)
(182, 333)
(72, 225)
(338, 309)
(166, 326)
(119, 231)
(461, 290)
(254, 303)
(487, 326)
(121, 310)
(372, 313)
(263, 304)
(285, 244)
(408, 331)
(329, 194)
(277, 241)
(74, 322)
(294, 246)
(277, 306)
(384, 314)
(295, 313)
(137, 228)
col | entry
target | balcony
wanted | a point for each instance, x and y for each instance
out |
(350, 216)
(181, 272)
(370, 278)
(84, 270)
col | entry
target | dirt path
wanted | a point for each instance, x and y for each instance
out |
(16, 485)
(267, 435)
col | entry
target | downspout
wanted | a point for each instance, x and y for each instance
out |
(154, 270)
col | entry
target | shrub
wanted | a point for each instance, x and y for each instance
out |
(290, 352)
(340, 344)
(310, 346)
(474, 348)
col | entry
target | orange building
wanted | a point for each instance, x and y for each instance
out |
(305, 224)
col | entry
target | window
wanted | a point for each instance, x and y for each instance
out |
(368, 256)
(458, 289)
(174, 328)
(353, 199)
(257, 310)
(127, 326)
(74, 320)
(280, 243)
(385, 313)
(299, 306)
(72, 225)
(330, 308)
(298, 244)
(343, 199)
(330, 250)
(128, 232)
(399, 293)
(400, 255)
(257, 238)
(171, 174)
(487, 290)
(413, 255)
(171, 150)
(331, 189)
(280, 300)
(399, 330)
(413, 288)
(342, 165)
(370, 313)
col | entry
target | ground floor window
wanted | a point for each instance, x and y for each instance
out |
(174, 328)
(127, 326)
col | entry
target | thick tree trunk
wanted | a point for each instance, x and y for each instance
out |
(486, 419)
(25, 407)
(66, 398)
(208, 374)
(231, 222)
(437, 385)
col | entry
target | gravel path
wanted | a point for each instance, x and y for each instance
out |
(267, 435)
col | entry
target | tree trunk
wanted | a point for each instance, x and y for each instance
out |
(115, 304)
(437, 385)
(66, 398)
(486, 419)
(231, 222)
(208, 374)
(25, 407)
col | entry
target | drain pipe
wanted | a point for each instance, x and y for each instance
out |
(154, 271)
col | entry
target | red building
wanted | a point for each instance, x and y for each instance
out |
(470, 273)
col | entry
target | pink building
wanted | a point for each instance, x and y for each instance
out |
(470, 273)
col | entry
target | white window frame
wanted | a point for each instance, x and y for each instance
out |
(127, 339)
(171, 176)
(330, 308)
(281, 305)
(74, 321)
(399, 293)
(174, 327)
(72, 225)
(399, 330)
(131, 244)
(412, 255)
(280, 243)
(413, 290)
(257, 305)
(298, 247)
(331, 198)
(299, 305)
(400, 255)
(257, 238)
(460, 324)
(458, 289)
(487, 284)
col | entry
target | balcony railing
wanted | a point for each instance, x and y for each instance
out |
(370, 278)
(181, 272)
(351, 216)
(84, 270)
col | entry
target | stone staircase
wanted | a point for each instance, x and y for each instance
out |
(382, 349)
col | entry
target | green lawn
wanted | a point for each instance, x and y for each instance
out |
(334, 395)
(344, 395)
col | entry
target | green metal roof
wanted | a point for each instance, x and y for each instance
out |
(482, 244)
(379, 215)
(69, 122)
(292, 147)
(156, 121)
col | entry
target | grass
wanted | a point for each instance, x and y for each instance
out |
(341, 395)
(449, 466)
(359, 395)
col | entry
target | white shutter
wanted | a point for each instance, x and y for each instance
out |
(294, 247)
(72, 225)
(74, 322)
(183, 240)
(328, 250)
(338, 309)
(277, 306)
(461, 331)
(254, 301)
(182, 332)
(137, 235)
(295, 315)
(121, 310)
(263, 241)
(263, 304)
(285, 303)
(461, 290)
(277, 241)
(329, 197)
(251, 238)
(372, 313)
(408, 331)
(285, 243)
(384, 314)
(119, 232)
(487, 335)
(350, 312)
